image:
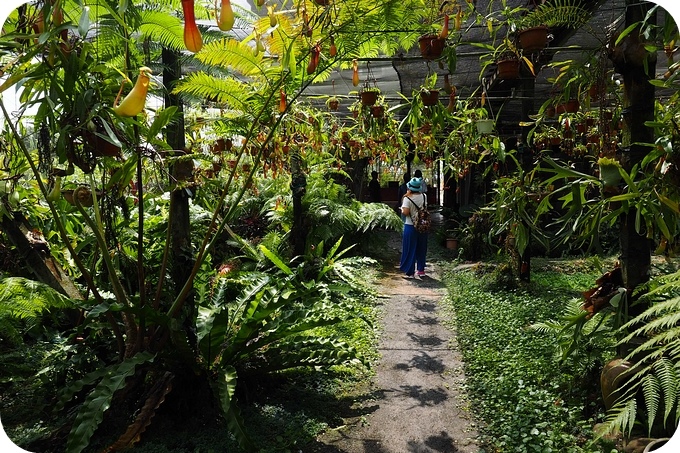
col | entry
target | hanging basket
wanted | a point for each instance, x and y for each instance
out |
(430, 97)
(507, 69)
(377, 111)
(533, 39)
(369, 97)
(571, 106)
(452, 243)
(98, 146)
(333, 104)
(431, 46)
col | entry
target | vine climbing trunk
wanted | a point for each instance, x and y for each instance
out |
(298, 184)
(635, 64)
(181, 250)
(528, 93)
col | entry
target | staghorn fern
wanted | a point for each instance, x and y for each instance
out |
(657, 374)
(576, 333)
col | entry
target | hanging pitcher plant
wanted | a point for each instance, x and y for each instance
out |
(225, 19)
(192, 35)
(133, 103)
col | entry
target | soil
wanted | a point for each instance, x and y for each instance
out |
(418, 403)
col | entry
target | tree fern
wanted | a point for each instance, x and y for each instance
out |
(656, 373)
(651, 389)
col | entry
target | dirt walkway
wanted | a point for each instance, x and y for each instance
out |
(417, 405)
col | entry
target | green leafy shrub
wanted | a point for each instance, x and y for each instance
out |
(526, 399)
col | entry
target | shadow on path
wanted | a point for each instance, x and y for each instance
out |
(417, 405)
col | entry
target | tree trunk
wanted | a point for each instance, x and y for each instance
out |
(34, 250)
(181, 249)
(632, 60)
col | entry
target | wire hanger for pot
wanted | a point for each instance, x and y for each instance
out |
(370, 81)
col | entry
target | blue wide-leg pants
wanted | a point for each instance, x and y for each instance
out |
(413, 250)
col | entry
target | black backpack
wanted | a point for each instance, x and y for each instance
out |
(422, 221)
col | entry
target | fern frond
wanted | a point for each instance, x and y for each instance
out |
(668, 380)
(228, 53)
(163, 28)
(226, 388)
(91, 413)
(21, 298)
(651, 390)
(229, 91)
(378, 215)
(621, 418)
(306, 351)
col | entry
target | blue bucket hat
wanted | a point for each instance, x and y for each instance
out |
(414, 184)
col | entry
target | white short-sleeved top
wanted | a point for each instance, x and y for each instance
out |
(418, 200)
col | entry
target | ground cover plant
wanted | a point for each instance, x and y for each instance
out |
(526, 398)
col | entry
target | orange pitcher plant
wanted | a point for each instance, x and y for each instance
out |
(192, 35)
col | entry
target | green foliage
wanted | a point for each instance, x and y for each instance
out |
(579, 336)
(526, 399)
(656, 370)
(517, 209)
(91, 413)
(26, 300)
(644, 192)
(274, 322)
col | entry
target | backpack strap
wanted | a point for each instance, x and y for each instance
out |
(418, 208)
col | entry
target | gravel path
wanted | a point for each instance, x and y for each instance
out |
(417, 406)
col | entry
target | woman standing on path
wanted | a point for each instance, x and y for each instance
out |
(414, 244)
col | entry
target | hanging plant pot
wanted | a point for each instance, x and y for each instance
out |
(377, 111)
(596, 91)
(219, 146)
(369, 97)
(97, 145)
(555, 141)
(571, 106)
(507, 69)
(430, 97)
(431, 46)
(84, 196)
(322, 2)
(452, 243)
(484, 126)
(333, 104)
(533, 39)
(595, 138)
